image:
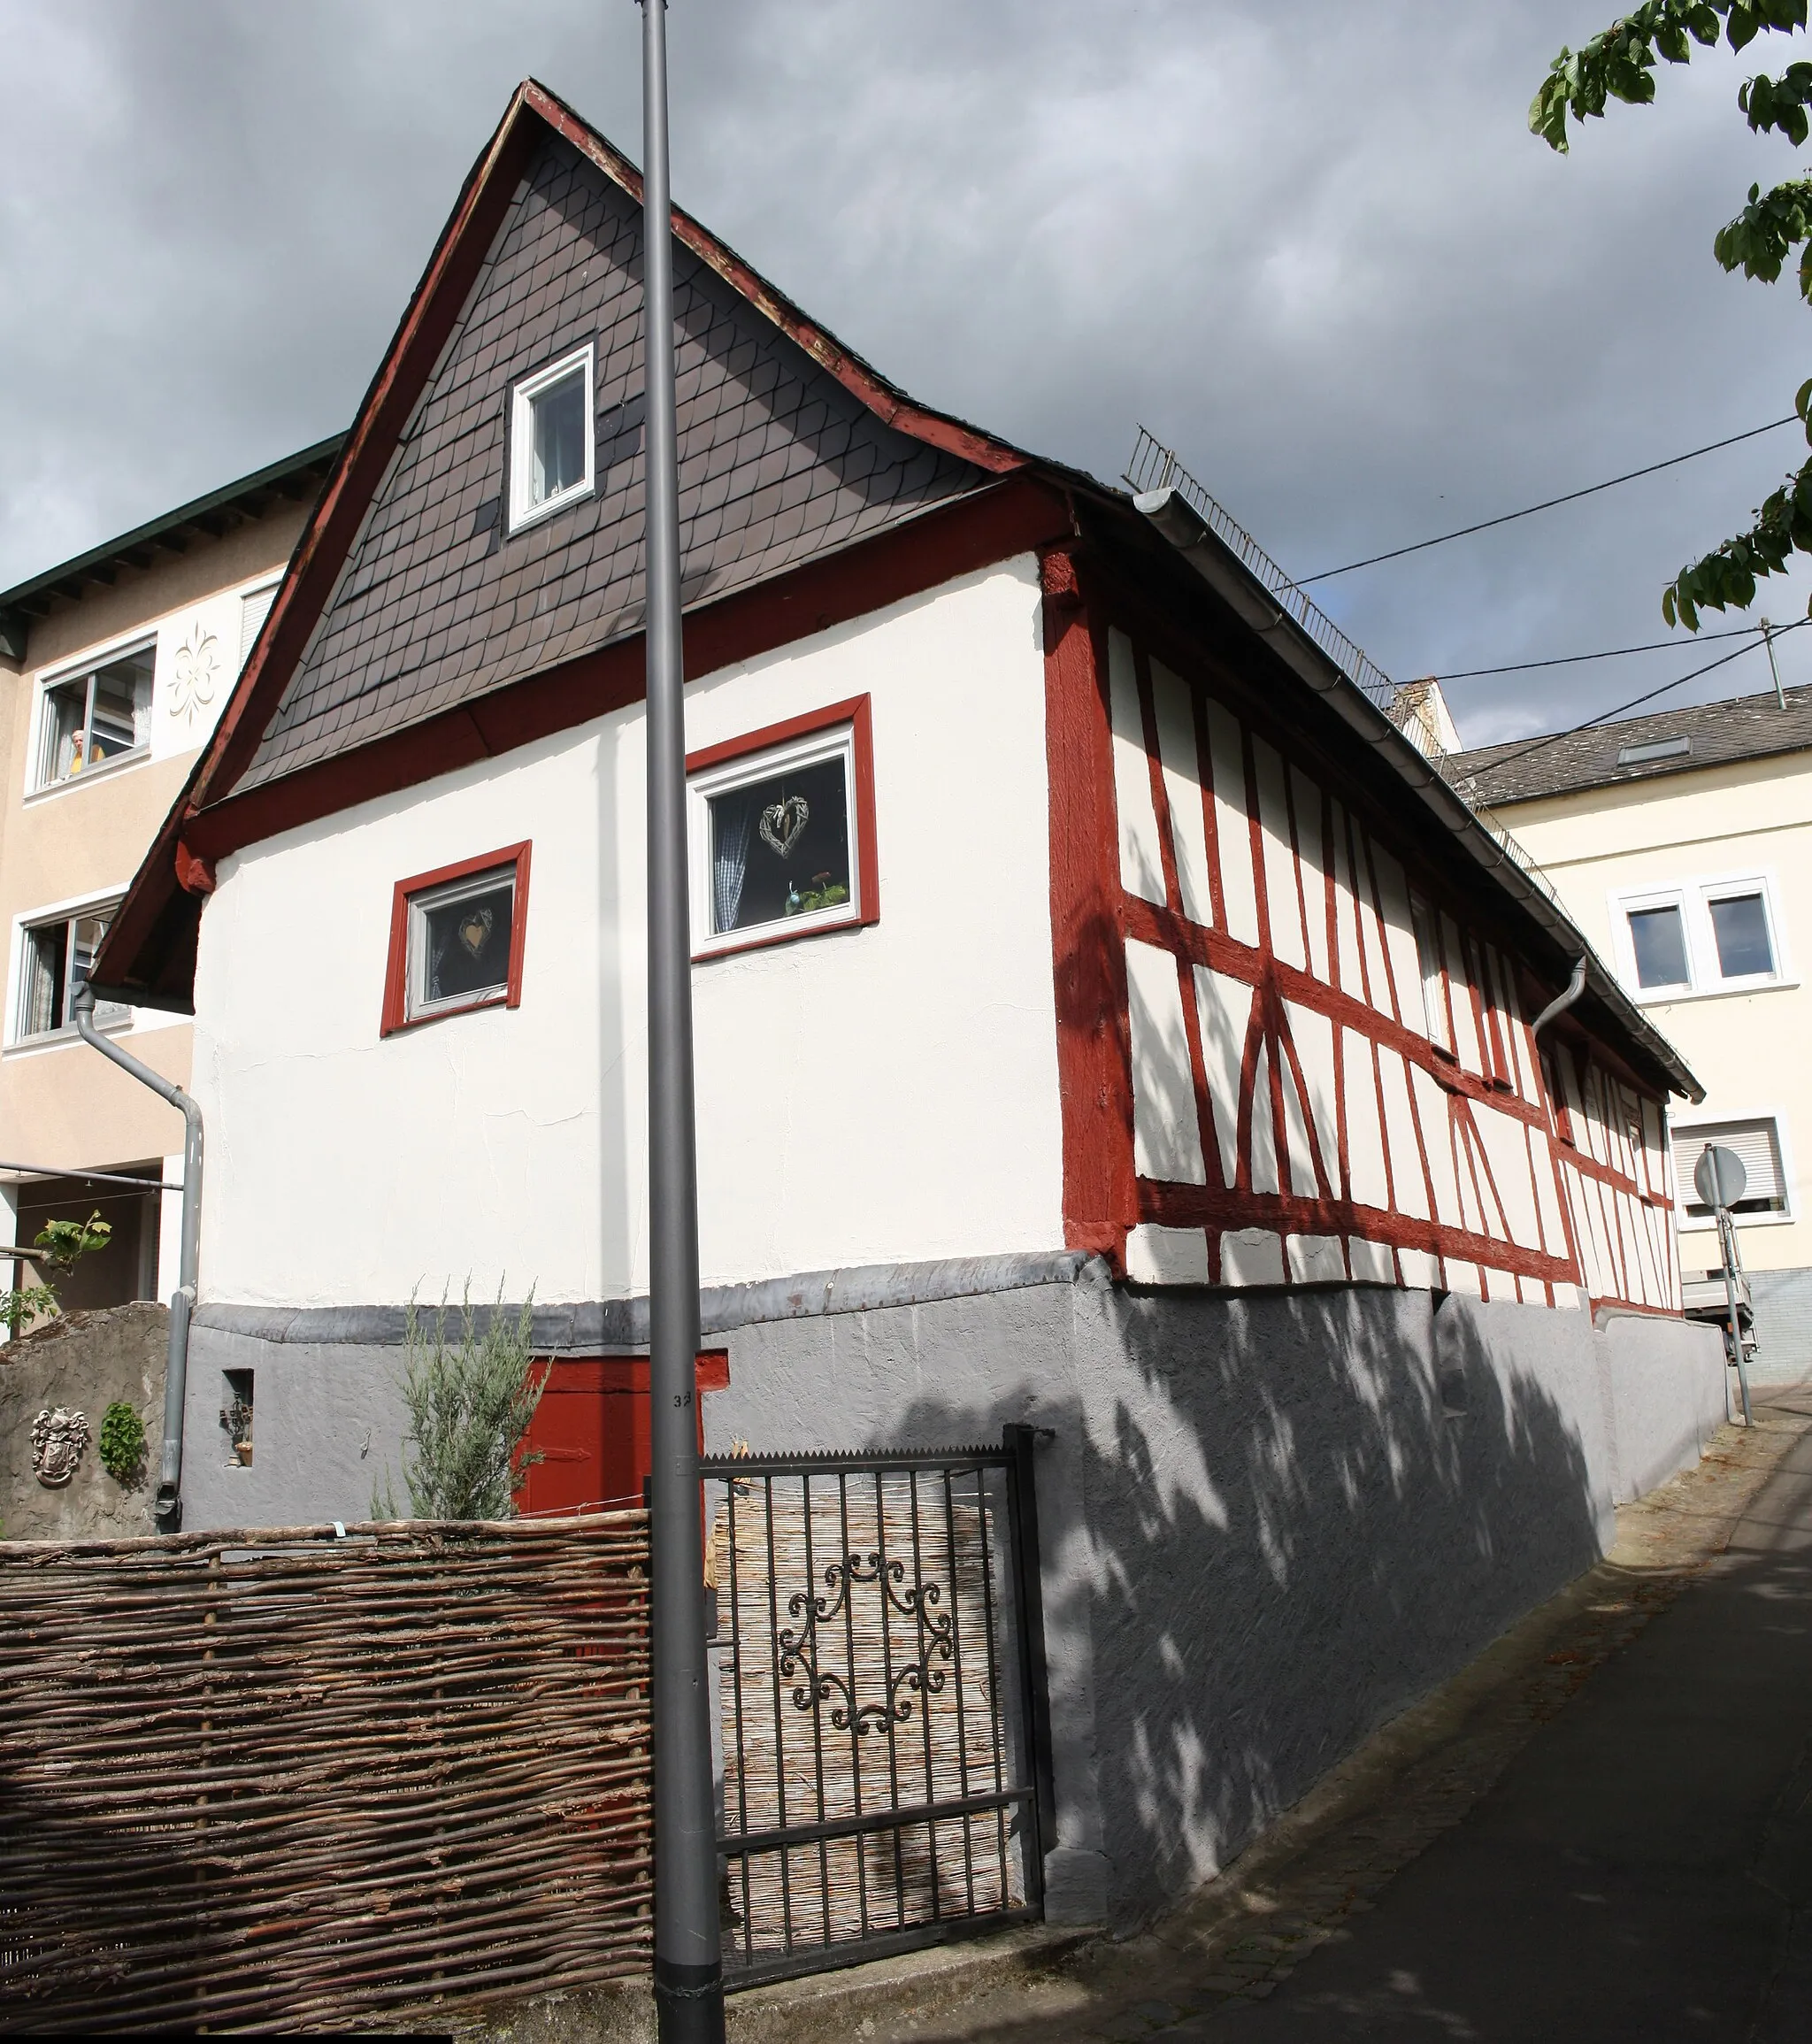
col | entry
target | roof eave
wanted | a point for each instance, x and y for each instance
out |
(26, 600)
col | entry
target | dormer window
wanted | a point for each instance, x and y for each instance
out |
(550, 439)
(96, 718)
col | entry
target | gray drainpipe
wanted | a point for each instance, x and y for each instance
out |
(1561, 1002)
(168, 1508)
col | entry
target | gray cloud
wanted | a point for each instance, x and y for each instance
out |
(1311, 245)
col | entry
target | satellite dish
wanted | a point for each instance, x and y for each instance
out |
(1719, 1177)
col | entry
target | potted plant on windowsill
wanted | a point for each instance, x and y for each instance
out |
(235, 1420)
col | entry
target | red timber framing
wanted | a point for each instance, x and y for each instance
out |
(1284, 1056)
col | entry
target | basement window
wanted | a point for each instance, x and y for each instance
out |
(782, 825)
(457, 939)
(550, 439)
(99, 718)
(55, 956)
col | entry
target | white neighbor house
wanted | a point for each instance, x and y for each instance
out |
(1104, 1018)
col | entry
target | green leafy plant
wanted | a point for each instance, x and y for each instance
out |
(19, 1308)
(1620, 64)
(122, 1443)
(470, 1403)
(63, 1244)
(824, 892)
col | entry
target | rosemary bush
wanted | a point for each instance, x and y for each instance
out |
(470, 1403)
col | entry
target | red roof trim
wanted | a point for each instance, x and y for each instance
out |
(891, 405)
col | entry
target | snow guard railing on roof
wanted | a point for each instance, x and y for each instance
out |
(1154, 467)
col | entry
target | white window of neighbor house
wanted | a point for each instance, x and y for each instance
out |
(551, 449)
(254, 608)
(1756, 1140)
(1658, 944)
(776, 841)
(1705, 936)
(97, 717)
(54, 958)
(1742, 942)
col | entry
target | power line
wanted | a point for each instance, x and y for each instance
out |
(1612, 653)
(1635, 702)
(1573, 496)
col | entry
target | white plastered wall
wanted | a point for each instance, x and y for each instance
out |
(887, 1094)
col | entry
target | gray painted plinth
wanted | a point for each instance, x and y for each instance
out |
(1270, 1520)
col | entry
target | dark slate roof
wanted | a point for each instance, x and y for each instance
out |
(1713, 735)
(779, 463)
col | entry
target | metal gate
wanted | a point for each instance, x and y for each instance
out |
(885, 1725)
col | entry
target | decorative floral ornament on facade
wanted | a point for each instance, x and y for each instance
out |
(197, 674)
(58, 1436)
(781, 823)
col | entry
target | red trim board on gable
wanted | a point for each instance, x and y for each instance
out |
(395, 1010)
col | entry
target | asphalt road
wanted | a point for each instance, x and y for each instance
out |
(1643, 1870)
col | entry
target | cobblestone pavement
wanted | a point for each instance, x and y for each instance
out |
(1310, 1880)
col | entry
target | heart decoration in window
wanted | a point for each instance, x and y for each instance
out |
(781, 823)
(475, 929)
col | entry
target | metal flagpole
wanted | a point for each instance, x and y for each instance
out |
(689, 1964)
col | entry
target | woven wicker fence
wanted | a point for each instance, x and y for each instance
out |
(281, 1778)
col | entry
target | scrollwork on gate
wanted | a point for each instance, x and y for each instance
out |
(934, 1632)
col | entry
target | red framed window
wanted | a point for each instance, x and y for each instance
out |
(457, 940)
(782, 832)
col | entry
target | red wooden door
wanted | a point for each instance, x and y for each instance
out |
(591, 1430)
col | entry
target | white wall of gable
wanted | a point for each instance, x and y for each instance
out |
(868, 1095)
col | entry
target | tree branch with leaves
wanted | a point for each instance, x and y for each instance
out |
(1620, 64)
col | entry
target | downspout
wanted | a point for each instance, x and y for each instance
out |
(1561, 1002)
(168, 1508)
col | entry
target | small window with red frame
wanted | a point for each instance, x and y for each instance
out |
(782, 831)
(456, 938)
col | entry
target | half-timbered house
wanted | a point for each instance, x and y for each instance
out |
(1105, 1016)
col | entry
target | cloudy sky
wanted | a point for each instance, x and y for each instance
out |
(1311, 245)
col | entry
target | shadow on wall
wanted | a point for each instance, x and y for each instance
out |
(1288, 1516)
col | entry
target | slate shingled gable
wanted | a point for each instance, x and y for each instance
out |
(149, 953)
(778, 463)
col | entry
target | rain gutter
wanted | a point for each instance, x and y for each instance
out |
(167, 1511)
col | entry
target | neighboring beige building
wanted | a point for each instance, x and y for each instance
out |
(113, 670)
(1681, 844)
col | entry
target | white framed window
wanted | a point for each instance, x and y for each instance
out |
(1760, 1141)
(1709, 936)
(781, 831)
(254, 608)
(55, 952)
(1426, 923)
(92, 716)
(552, 440)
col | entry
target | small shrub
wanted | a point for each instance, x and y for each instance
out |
(469, 1406)
(19, 1308)
(123, 1444)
